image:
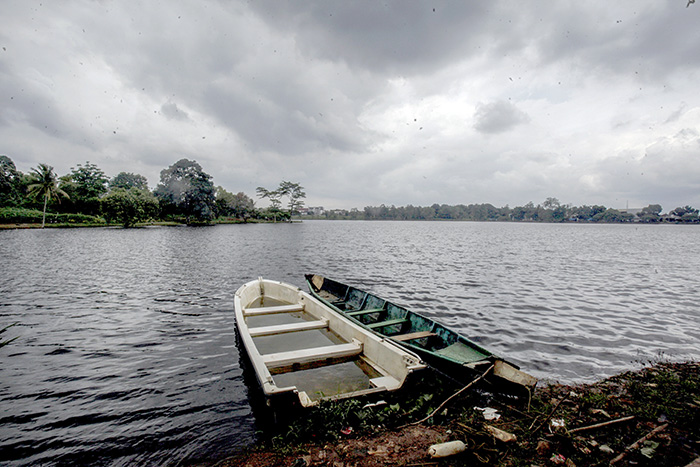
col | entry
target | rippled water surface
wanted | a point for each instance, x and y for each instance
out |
(127, 353)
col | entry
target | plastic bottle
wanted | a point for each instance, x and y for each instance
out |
(446, 449)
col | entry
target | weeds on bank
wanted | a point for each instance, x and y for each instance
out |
(647, 417)
(331, 420)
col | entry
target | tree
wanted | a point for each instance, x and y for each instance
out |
(238, 205)
(551, 203)
(11, 186)
(650, 213)
(128, 180)
(185, 189)
(44, 183)
(275, 200)
(586, 213)
(90, 180)
(613, 215)
(129, 206)
(295, 193)
(84, 185)
(686, 214)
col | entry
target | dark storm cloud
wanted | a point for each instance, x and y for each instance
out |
(384, 37)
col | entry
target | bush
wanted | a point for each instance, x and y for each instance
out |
(33, 216)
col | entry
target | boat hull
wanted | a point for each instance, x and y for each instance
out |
(442, 348)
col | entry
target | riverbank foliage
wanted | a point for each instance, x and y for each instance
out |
(649, 417)
(551, 210)
(86, 196)
(186, 194)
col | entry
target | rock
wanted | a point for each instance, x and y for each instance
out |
(543, 448)
(558, 459)
(378, 451)
(501, 435)
(606, 449)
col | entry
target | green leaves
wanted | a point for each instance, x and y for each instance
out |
(185, 189)
(293, 191)
(129, 206)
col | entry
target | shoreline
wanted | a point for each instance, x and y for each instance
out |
(646, 417)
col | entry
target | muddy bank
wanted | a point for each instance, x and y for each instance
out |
(649, 417)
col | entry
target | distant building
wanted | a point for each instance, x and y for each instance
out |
(633, 211)
(315, 211)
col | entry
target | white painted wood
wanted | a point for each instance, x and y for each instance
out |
(282, 359)
(285, 328)
(387, 382)
(270, 310)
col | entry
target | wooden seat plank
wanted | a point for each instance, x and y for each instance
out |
(413, 335)
(364, 312)
(285, 328)
(390, 322)
(269, 310)
(303, 356)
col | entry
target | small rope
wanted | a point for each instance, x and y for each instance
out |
(452, 397)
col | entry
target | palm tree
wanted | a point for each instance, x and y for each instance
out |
(44, 183)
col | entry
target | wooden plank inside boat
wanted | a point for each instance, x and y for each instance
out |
(413, 335)
(285, 328)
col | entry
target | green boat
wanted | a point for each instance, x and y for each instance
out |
(440, 347)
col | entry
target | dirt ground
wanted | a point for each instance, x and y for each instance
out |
(406, 446)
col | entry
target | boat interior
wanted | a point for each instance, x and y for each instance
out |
(396, 322)
(300, 350)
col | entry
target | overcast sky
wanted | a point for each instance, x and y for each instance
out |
(365, 102)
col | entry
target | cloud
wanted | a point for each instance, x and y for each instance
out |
(363, 103)
(173, 112)
(498, 117)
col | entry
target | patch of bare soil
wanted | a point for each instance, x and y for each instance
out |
(403, 447)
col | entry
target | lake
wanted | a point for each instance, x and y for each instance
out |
(127, 351)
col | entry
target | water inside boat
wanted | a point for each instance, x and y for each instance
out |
(323, 379)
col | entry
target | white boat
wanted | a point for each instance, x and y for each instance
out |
(301, 347)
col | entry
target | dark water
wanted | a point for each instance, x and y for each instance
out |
(127, 354)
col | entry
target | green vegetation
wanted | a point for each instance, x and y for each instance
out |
(649, 417)
(186, 190)
(129, 206)
(551, 210)
(294, 193)
(43, 184)
(86, 196)
(186, 194)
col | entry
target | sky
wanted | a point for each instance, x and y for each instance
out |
(365, 102)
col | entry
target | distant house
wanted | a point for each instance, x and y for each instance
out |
(633, 211)
(315, 211)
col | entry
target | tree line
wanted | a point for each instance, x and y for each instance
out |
(186, 193)
(551, 210)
